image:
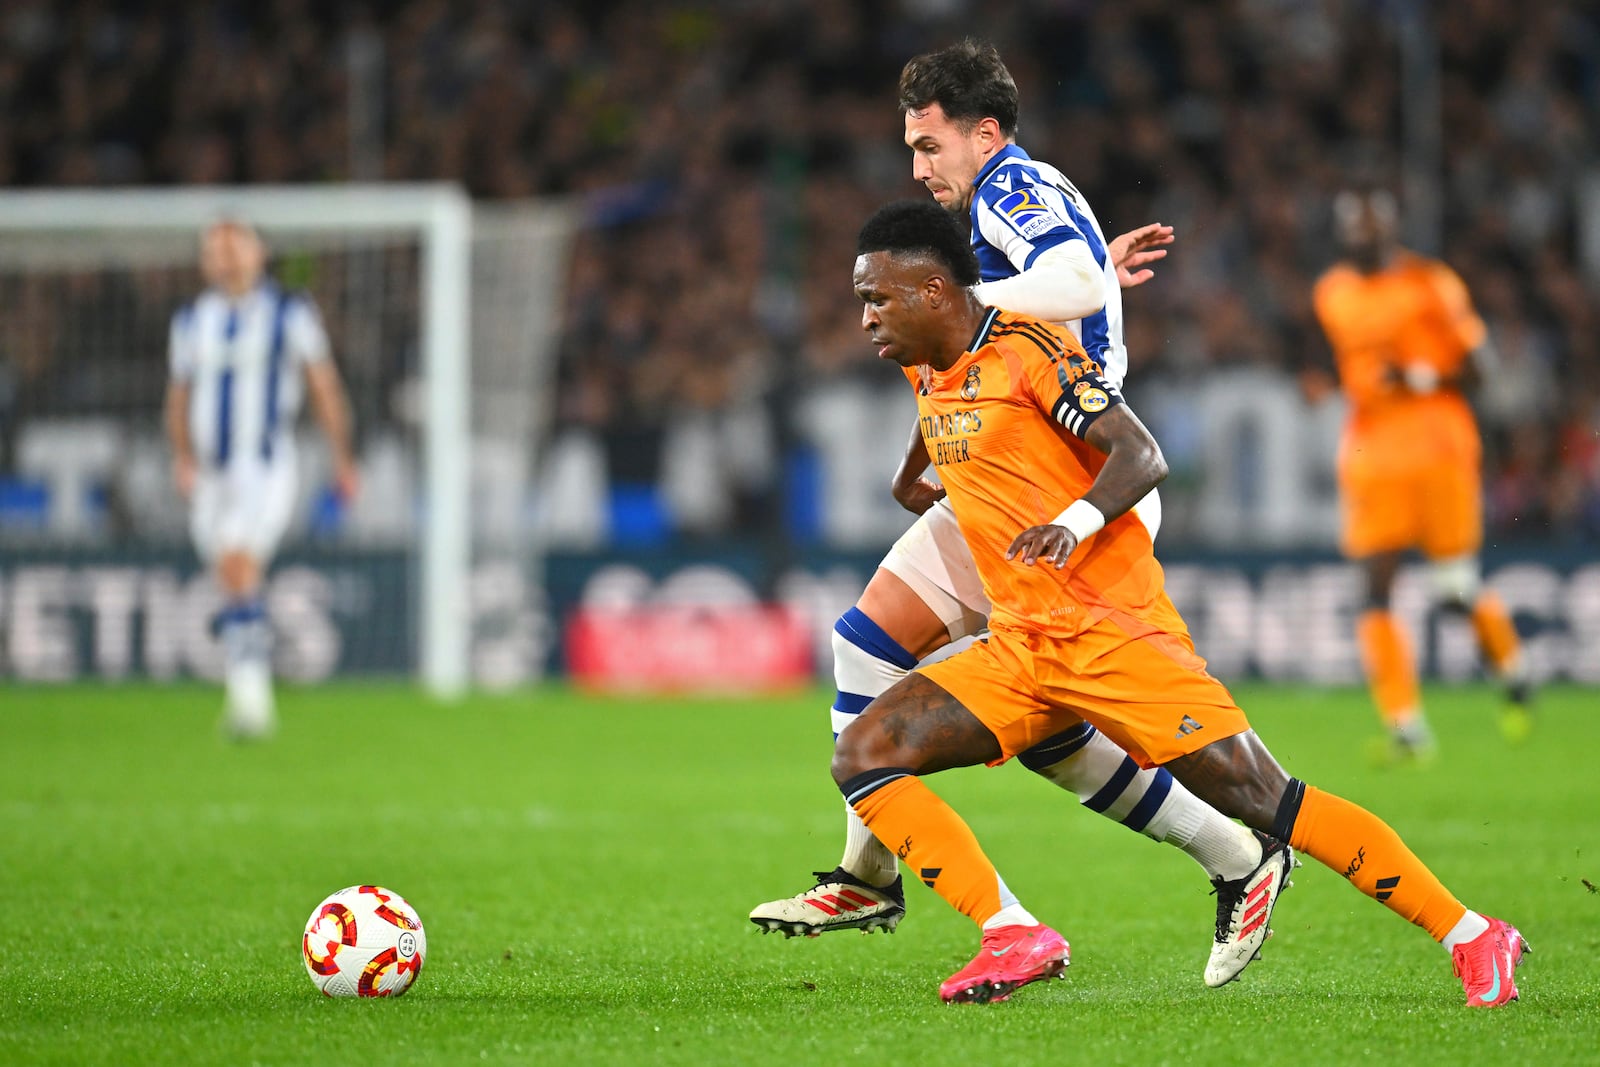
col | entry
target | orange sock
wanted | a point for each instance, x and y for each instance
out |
(1391, 672)
(935, 843)
(1367, 851)
(1497, 637)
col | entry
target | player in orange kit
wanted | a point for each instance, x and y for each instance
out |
(1023, 426)
(1406, 342)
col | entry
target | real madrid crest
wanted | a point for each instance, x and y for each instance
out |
(970, 387)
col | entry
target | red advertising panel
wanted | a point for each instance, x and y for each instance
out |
(689, 648)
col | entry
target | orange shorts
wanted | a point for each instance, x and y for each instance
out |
(1150, 694)
(1437, 508)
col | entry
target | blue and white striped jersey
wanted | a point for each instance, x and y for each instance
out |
(245, 363)
(1022, 207)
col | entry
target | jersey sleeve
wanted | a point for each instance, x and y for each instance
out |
(1468, 329)
(303, 331)
(180, 345)
(1361, 373)
(1024, 217)
(1068, 386)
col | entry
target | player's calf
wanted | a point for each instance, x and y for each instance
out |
(1148, 801)
(1248, 870)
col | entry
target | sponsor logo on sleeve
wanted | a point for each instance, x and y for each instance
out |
(1028, 213)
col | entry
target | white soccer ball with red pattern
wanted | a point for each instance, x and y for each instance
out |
(364, 941)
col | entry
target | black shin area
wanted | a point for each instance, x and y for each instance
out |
(1288, 810)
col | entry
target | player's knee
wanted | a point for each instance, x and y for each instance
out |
(864, 747)
(238, 574)
(846, 757)
(1379, 585)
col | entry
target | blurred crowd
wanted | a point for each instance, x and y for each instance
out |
(724, 152)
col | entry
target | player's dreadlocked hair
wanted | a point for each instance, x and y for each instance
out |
(968, 82)
(921, 226)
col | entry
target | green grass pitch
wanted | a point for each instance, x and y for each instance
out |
(584, 867)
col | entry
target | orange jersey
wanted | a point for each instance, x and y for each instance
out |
(1414, 310)
(1002, 426)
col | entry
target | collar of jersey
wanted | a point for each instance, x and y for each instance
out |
(1005, 155)
(979, 339)
(265, 287)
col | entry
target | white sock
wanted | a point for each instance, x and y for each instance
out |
(1150, 801)
(1411, 728)
(1224, 848)
(1015, 915)
(250, 707)
(247, 657)
(864, 855)
(1471, 926)
(1011, 912)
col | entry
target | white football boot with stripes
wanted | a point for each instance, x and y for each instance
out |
(1244, 911)
(839, 901)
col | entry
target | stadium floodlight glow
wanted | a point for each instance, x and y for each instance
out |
(438, 217)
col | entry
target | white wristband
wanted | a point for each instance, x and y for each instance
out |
(1082, 518)
(1421, 377)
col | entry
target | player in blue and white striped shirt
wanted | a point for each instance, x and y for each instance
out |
(1040, 251)
(240, 356)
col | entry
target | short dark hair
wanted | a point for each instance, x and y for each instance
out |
(921, 226)
(967, 80)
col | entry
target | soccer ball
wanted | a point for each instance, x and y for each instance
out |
(364, 941)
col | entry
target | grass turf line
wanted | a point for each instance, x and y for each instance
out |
(583, 867)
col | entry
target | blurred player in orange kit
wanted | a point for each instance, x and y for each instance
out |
(1022, 425)
(1406, 343)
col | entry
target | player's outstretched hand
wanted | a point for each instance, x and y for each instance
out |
(1043, 542)
(918, 496)
(1132, 250)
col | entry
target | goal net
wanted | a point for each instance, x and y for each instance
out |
(442, 319)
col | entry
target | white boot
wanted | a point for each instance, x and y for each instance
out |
(249, 713)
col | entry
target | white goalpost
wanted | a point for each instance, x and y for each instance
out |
(68, 230)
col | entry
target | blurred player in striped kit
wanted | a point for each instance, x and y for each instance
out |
(240, 356)
(1041, 251)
